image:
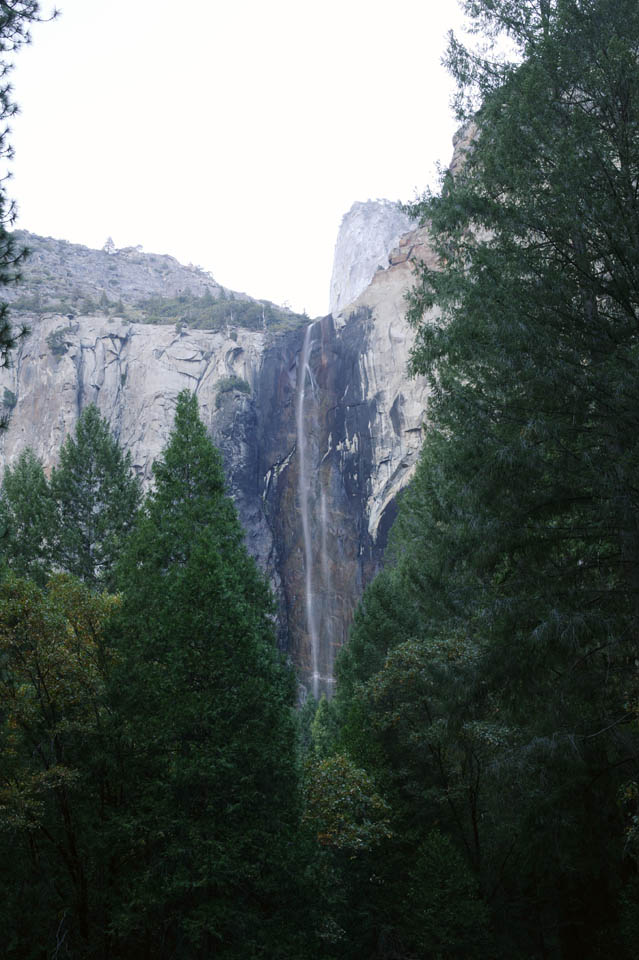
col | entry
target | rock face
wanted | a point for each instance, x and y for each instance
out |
(318, 424)
(368, 232)
(134, 372)
(58, 271)
(398, 403)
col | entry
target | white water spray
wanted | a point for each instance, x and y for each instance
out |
(314, 505)
(311, 622)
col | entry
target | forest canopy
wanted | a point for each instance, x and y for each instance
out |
(472, 790)
(490, 684)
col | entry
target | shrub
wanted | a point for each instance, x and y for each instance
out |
(57, 340)
(229, 384)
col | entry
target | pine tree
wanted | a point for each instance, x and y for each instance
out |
(533, 357)
(504, 713)
(27, 519)
(208, 703)
(15, 18)
(96, 498)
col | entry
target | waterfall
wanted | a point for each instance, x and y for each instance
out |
(302, 446)
(315, 505)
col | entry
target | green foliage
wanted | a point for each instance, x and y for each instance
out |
(27, 519)
(53, 781)
(52, 687)
(9, 399)
(343, 807)
(323, 730)
(80, 520)
(490, 685)
(209, 704)
(304, 717)
(15, 19)
(96, 497)
(206, 313)
(229, 385)
(57, 340)
(149, 789)
(444, 914)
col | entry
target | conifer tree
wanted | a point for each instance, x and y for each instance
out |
(208, 704)
(27, 519)
(490, 687)
(16, 16)
(96, 497)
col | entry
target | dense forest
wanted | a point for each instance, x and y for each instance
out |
(490, 685)
(472, 789)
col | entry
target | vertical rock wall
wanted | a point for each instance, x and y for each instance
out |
(319, 512)
(367, 234)
(314, 477)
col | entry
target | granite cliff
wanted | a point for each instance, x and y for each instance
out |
(367, 234)
(318, 423)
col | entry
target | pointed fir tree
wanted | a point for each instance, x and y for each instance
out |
(209, 705)
(27, 519)
(96, 498)
(502, 710)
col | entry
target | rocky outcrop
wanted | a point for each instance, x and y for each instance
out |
(399, 402)
(368, 232)
(60, 272)
(134, 372)
(319, 427)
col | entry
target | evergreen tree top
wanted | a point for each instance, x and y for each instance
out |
(190, 464)
(96, 497)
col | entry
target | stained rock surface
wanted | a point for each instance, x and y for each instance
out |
(319, 532)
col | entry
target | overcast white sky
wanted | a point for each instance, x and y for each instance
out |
(233, 134)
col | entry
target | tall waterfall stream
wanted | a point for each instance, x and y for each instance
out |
(311, 496)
